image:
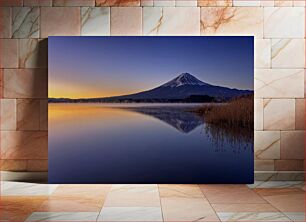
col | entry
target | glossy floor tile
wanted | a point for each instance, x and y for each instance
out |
(251, 216)
(262, 207)
(281, 201)
(284, 199)
(296, 216)
(93, 191)
(277, 184)
(9, 188)
(63, 216)
(133, 196)
(71, 204)
(130, 214)
(180, 190)
(18, 208)
(230, 194)
(187, 209)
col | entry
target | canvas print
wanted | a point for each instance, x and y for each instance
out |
(151, 109)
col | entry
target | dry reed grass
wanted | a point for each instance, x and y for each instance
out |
(238, 112)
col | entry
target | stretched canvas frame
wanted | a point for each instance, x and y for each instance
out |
(146, 109)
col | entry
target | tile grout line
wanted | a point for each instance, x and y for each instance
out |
(209, 203)
(160, 203)
(267, 202)
(104, 202)
(278, 210)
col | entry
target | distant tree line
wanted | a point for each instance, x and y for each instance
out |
(189, 99)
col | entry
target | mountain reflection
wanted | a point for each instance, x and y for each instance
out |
(238, 138)
(179, 118)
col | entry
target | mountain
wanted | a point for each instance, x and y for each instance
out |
(184, 79)
(183, 88)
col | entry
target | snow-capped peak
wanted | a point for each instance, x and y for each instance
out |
(184, 79)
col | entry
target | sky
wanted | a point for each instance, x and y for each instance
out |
(88, 67)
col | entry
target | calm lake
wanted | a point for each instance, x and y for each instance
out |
(144, 143)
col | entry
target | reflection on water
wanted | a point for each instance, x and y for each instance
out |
(239, 139)
(178, 117)
(144, 143)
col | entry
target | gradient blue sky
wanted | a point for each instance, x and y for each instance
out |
(81, 67)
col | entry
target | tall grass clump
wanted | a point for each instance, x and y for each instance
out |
(230, 123)
(238, 112)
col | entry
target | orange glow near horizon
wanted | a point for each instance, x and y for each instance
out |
(62, 90)
(90, 93)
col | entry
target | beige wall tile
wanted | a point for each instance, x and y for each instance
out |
(267, 3)
(28, 114)
(262, 53)
(264, 165)
(120, 25)
(163, 3)
(300, 114)
(289, 165)
(171, 21)
(279, 83)
(186, 3)
(212, 3)
(280, 3)
(288, 53)
(25, 22)
(246, 3)
(51, 17)
(25, 83)
(146, 2)
(279, 114)
(292, 144)
(95, 21)
(299, 3)
(267, 145)
(117, 2)
(33, 53)
(278, 22)
(1, 83)
(8, 114)
(8, 53)
(37, 2)
(43, 114)
(24, 145)
(73, 2)
(37, 165)
(305, 82)
(232, 21)
(4, 3)
(5, 22)
(13, 165)
(258, 123)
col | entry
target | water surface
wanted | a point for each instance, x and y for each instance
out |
(143, 143)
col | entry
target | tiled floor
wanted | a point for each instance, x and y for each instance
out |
(263, 201)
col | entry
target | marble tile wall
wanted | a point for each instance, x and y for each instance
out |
(278, 27)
